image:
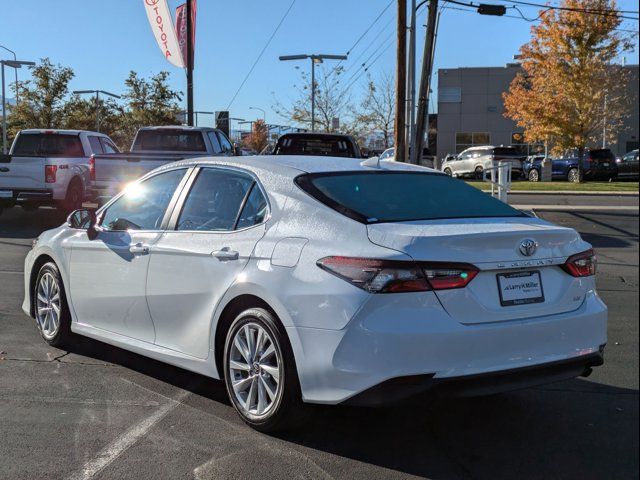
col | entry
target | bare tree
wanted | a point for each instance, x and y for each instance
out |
(331, 101)
(377, 110)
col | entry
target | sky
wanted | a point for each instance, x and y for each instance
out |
(102, 41)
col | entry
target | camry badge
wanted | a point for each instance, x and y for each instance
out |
(528, 247)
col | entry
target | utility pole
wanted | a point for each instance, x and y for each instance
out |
(604, 123)
(189, 64)
(401, 82)
(411, 74)
(316, 58)
(422, 122)
(12, 64)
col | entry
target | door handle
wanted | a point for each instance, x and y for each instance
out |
(225, 254)
(139, 248)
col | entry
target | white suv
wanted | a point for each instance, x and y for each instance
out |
(475, 160)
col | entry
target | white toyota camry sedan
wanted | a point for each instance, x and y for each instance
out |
(322, 280)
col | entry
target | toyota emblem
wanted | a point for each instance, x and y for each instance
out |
(528, 247)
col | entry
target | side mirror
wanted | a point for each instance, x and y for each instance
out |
(237, 150)
(83, 219)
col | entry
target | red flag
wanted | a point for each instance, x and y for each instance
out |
(181, 29)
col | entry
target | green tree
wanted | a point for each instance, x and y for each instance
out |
(41, 102)
(147, 102)
(82, 114)
(569, 85)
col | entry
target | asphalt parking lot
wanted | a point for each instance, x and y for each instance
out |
(100, 412)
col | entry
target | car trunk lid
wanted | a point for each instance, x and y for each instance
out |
(493, 246)
(22, 172)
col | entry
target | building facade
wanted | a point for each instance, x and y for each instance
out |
(471, 111)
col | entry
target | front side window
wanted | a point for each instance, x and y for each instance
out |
(224, 142)
(214, 201)
(215, 143)
(108, 146)
(376, 197)
(143, 205)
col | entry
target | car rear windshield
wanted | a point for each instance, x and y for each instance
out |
(48, 145)
(376, 197)
(506, 152)
(601, 154)
(323, 146)
(169, 141)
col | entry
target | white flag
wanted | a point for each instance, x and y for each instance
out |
(162, 27)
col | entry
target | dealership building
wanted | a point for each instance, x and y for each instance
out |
(471, 110)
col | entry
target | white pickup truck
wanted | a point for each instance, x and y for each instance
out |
(50, 168)
(151, 148)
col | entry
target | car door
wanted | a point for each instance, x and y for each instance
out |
(108, 273)
(214, 230)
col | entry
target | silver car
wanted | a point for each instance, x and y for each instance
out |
(475, 160)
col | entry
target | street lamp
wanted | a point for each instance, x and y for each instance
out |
(13, 64)
(14, 59)
(97, 94)
(264, 114)
(319, 58)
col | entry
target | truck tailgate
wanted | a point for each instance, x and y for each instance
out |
(22, 173)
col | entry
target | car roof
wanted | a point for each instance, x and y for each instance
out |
(293, 165)
(59, 131)
(176, 127)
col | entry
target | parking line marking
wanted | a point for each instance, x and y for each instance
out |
(126, 440)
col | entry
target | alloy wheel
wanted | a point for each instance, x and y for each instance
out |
(533, 175)
(255, 369)
(48, 305)
(573, 175)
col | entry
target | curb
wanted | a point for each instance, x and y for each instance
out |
(578, 208)
(570, 192)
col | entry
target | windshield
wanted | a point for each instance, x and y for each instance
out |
(375, 197)
(322, 146)
(169, 141)
(48, 145)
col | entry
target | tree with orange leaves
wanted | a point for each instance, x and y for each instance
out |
(569, 88)
(259, 137)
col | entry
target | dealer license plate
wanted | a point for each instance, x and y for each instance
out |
(520, 288)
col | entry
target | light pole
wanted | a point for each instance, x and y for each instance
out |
(264, 114)
(97, 94)
(14, 59)
(13, 64)
(315, 58)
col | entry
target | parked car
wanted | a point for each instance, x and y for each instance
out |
(475, 160)
(317, 144)
(293, 279)
(50, 168)
(427, 160)
(152, 147)
(628, 165)
(598, 164)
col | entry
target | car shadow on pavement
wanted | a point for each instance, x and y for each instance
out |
(18, 223)
(572, 429)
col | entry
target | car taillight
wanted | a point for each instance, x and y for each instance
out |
(391, 276)
(50, 173)
(581, 265)
(92, 168)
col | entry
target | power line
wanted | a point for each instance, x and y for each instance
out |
(261, 53)
(572, 9)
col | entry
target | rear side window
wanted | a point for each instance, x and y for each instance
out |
(506, 152)
(254, 210)
(96, 146)
(170, 141)
(214, 201)
(375, 197)
(48, 145)
(327, 147)
(215, 143)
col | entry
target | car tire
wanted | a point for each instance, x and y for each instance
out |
(478, 173)
(448, 172)
(73, 199)
(50, 307)
(573, 175)
(261, 378)
(534, 175)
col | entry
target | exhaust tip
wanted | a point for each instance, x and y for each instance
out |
(587, 371)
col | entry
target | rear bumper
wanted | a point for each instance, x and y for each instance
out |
(28, 197)
(412, 337)
(401, 388)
